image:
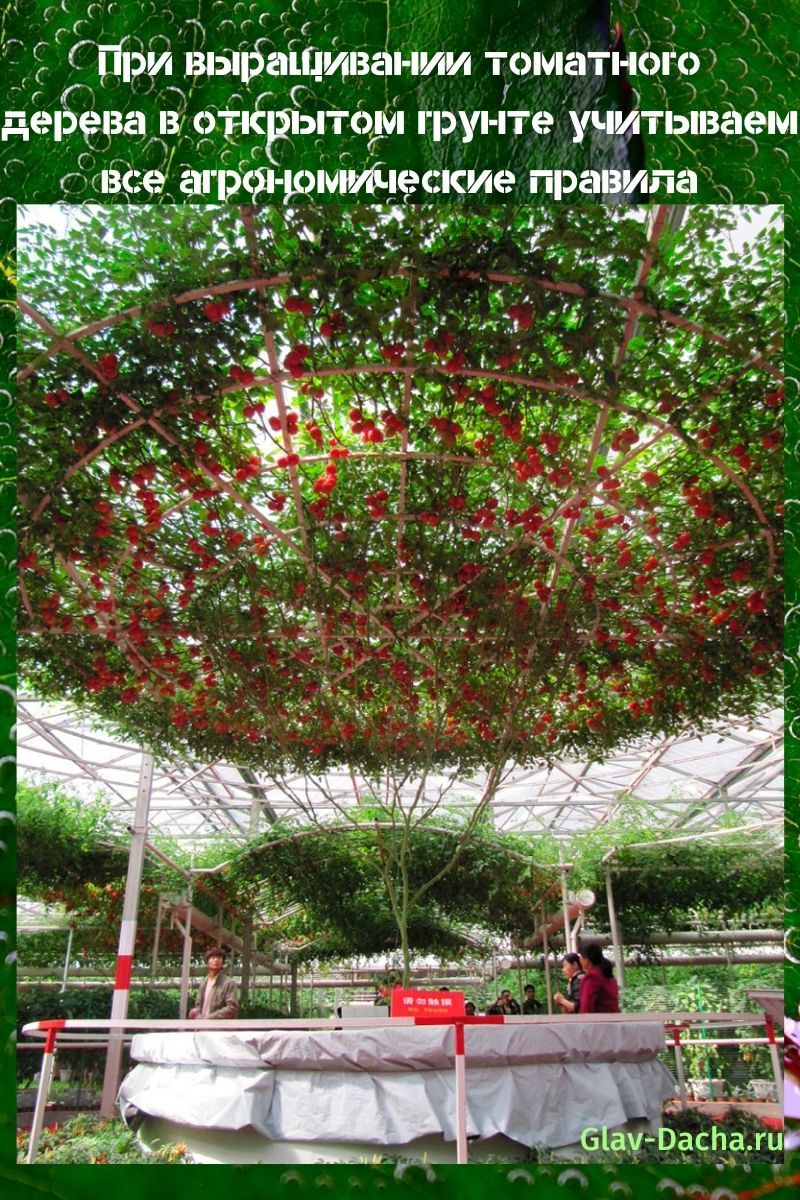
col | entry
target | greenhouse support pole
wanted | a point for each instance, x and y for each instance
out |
(254, 976)
(615, 933)
(679, 1071)
(127, 936)
(156, 940)
(546, 952)
(568, 946)
(67, 957)
(186, 961)
(247, 959)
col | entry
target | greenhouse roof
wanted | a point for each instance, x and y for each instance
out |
(694, 782)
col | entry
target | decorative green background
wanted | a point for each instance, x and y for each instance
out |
(750, 61)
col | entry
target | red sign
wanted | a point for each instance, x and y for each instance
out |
(406, 1002)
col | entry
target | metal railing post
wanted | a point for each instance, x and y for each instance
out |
(676, 1038)
(45, 1076)
(777, 1069)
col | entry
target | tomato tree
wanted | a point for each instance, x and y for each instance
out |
(406, 491)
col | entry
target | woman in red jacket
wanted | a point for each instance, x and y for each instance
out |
(599, 992)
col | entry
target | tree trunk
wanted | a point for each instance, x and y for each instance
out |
(406, 949)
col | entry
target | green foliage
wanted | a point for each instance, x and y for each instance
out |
(344, 878)
(345, 875)
(87, 1003)
(339, 875)
(84, 1003)
(38, 1004)
(662, 887)
(73, 856)
(157, 1003)
(60, 840)
(713, 881)
(722, 989)
(260, 1010)
(96, 1140)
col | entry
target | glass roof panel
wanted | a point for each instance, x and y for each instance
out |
(692, 781)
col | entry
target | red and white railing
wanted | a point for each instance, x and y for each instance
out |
(677, 1025)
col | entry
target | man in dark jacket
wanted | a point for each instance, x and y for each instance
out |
(530, 1005)
(216, 999)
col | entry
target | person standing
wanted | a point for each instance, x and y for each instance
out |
(508, 1005)
(383, 993)
(530, 1005)
(216, 999)
(573, 971)
(599, 991)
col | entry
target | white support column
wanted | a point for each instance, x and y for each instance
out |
(462, 1155)
(546, 952)
(127, 935)
(186, 961)
(619, 959)
(568, 939)
(679, 1068)
(67, 957)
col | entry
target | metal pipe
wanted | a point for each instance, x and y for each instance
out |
(574, 913)
(773, 822)
(706, 937)
(67, 957)
(156, 940)
(247, 954)
(565, 908)
(547, 981)
(679, 1071)
(681, 960)
(615, 930)
(186, 961)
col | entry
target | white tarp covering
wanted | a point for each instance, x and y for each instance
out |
(536, 1083)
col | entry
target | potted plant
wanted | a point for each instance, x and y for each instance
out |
(760, 1085)
(699, 1064)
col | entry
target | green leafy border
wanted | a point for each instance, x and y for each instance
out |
(7, 670)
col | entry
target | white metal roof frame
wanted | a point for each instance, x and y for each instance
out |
(692, 782)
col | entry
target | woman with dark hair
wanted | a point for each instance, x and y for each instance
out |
(571, 966)
(599, 991)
